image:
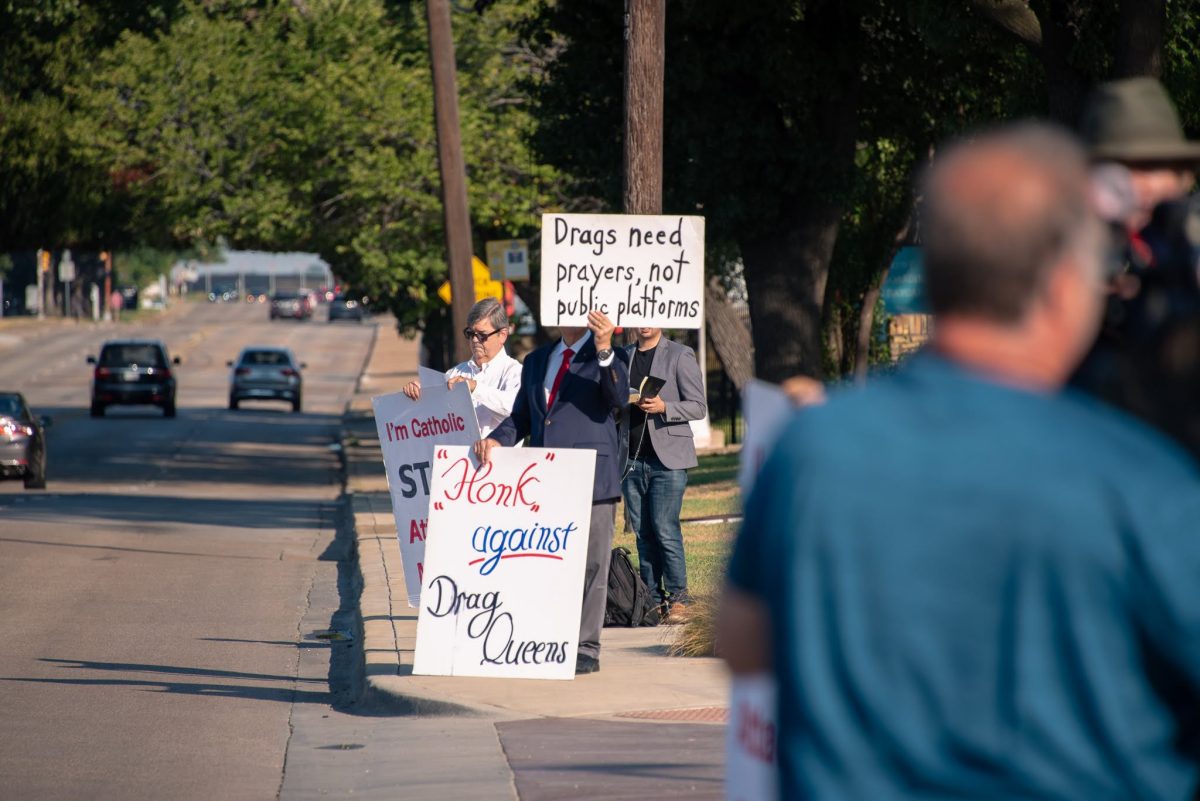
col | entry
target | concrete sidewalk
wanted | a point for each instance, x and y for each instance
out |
(638, 681)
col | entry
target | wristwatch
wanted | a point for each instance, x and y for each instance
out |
(601, 355)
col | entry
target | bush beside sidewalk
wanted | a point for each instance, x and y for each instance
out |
(637, 674)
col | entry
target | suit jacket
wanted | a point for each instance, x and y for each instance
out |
(583, 415)
(683, 394)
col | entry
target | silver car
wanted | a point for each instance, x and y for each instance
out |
(266, 373)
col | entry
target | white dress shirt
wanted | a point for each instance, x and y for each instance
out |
(497, 383)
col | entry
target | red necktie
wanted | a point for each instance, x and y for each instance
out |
(562, 370)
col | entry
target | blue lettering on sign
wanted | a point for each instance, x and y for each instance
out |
(512, 543)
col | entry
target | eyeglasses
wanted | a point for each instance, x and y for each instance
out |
(479, 336)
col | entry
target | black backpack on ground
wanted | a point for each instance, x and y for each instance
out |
(629, 602)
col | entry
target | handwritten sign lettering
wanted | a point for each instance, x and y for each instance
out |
(408, 431)
(505, 563)
(640, 270)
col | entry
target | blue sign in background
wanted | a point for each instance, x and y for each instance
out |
(904, 288)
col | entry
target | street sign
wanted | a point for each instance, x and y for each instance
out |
(508, 259)
(66, 268)
(485, 287)
(903, 290)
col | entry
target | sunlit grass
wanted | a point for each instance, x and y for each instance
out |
(712, 491)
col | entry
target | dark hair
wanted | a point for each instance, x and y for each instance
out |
(998, 213)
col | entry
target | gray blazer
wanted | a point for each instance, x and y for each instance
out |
(683, 395)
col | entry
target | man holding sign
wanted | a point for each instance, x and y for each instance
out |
(569, 393)
(492, 376)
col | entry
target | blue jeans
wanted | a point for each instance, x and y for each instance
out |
(653, 500)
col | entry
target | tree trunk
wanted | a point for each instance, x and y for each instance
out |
(1065, 87)
(787, 261)
(729, 334)
(866, 322)
(1140, 38)
(786, 273)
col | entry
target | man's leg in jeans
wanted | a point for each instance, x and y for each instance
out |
(595, 576)
(666, 504)
(638, 511)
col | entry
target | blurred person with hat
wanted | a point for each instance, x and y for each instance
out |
(1146, 358)
(968, 582)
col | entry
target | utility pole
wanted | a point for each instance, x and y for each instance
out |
(645, 55)
(107, 261)
(43, 265)
(453, 172)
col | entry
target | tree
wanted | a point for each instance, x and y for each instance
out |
(308, 126)
(769, 109)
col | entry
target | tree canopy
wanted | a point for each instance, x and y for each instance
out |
(794, 126)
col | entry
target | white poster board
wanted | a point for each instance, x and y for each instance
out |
(640, 270)
(408, 431)
(751, 766)
(766, 409)
(430, 377)
(504, 568)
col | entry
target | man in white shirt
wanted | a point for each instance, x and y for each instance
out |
(492, 376)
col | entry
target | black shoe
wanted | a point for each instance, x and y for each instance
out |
(586, 664)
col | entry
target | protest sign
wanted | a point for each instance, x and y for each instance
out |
(408, 430)
(766, 409)
(504, 568)
(640, 270)
(430, 377)
(750, 742)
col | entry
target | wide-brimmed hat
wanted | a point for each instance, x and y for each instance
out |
(1133, 120)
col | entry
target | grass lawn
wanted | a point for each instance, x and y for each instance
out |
(712, 491)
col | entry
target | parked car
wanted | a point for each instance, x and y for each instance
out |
(22, 441)
(345, 308)
(290, 304)
(223, 294)
(263, 372)
(132, 372)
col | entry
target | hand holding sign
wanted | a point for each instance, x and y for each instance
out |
(505, 573)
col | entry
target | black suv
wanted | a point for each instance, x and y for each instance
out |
(131, 372)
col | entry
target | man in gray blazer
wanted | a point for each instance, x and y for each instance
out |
(660, 452)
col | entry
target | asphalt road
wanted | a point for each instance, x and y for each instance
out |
(158, 601)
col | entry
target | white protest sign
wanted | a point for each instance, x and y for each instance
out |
(430, 377)
(751, 768)
(408, 430)
(640, 270)
(504, 569)
(766, 409)
(750, 740)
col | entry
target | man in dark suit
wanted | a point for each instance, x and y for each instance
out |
(660, 452)
(569, 393)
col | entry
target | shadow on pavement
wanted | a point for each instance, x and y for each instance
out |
(287, 694)
(146, 508)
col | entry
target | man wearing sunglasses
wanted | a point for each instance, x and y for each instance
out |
(493, 376)
(570, 394)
